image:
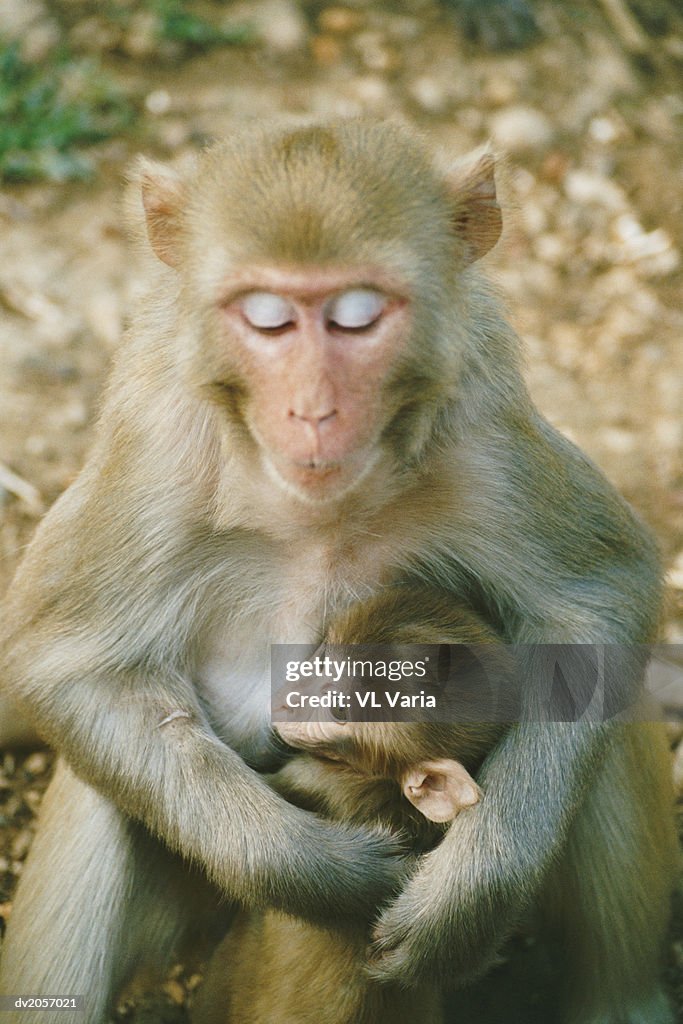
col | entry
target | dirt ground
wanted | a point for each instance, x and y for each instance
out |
(591, 120)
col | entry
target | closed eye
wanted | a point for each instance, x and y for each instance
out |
(267, 312)
(355, 310)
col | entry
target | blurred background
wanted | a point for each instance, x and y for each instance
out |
(585, 98)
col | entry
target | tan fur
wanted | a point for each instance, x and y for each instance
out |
(209, 522)
(274, 968)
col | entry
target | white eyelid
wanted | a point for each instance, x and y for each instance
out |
(358, 307)
(266, 311)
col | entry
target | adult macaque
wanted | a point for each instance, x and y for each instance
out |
(319, 399)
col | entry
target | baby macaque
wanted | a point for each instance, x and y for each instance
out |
(402, 775)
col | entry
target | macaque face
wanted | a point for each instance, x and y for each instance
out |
(440, 788)
(315, 268)
(316, 349)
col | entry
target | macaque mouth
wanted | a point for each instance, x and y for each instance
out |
(319, 465)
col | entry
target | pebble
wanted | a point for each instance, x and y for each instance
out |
(33, 799)
(340, 19)
(280, 25)
(675, 574)
(20, 844)
(326, 50)
(370, 90)
(102, 315)
(499, 91)
(158, 102)
(521, 129)
(39, 41)
(175, 992)
(37, 764)
(678, 770)
(603, 130)
(143, 35)
(373, 51)
(74, 414)
(95, 35)
(429, 93)
(586, 187)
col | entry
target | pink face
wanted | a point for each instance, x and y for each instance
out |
(315, 349)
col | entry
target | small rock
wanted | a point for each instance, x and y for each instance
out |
(175, 992)
(21, 843)
(17, 19)
(554, 167)
(603, 130)
(374, 52)
(158, 102)
(33, 799)
(587, 188)
(429, 94)
(95, 35)
(37, 764)
(340, 20)
(675, 574)
(551, 248)
(521, 129)
(39, 41)
(173, 134)
(143, 35)
(370, 90)
(618, 440)
(678, 770)
(280, 25)
(326, 50)
(75, 414)
(674, 732)
(499, 91)
(102, 315)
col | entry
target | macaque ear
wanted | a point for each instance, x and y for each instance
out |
(163, 200)
(440, 789)
(477, 218)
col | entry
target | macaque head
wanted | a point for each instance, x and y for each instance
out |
(317, 269)
(438, 788)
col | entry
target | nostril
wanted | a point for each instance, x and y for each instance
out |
(314, 418)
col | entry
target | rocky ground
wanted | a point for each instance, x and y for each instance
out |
(590, 116)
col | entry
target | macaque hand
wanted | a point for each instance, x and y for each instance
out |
(451, 918)
(312, 735)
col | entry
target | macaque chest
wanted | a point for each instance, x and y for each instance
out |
(233, 665)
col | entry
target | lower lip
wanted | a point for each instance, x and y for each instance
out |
(311, 474)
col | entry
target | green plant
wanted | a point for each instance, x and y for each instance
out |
(182, 26)
(49, 112)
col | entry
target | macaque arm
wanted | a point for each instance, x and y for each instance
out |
(151, 752)
(133, 727)
(587, 579)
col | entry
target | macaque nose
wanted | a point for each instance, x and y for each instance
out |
(315, 419)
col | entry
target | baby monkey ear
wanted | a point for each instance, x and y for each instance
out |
(476, 219)
(440, 789)
(163, 200)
